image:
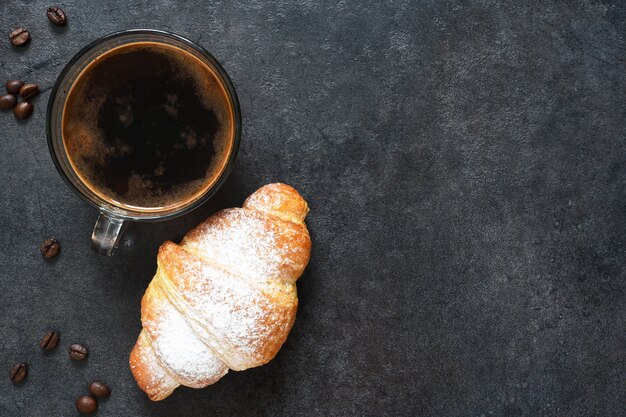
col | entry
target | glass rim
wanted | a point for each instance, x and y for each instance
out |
(121, 212)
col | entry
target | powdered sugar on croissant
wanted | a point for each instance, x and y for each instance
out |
(225, 298)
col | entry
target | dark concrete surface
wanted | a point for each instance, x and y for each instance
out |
(465, 164)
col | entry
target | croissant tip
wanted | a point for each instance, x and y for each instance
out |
(280, 200)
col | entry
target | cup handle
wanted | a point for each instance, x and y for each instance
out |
(107, 234)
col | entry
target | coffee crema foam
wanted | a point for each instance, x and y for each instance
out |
(148, 125)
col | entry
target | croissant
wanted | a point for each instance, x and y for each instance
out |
(225, 298)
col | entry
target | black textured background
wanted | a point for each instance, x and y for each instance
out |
(465, 166)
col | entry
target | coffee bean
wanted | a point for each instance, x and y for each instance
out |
(13, 86)
(29, 91)
(49, 248)
(23, 110)
(86, 404)
(18, 372)
(19, 36)
(49, 341)
(99, 389)
(77, 352)
(57, 16)
(7, 101)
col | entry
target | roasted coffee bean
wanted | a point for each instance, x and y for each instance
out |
(77, 352)
(29, 91)
(13, 86)
(57, 16)
(86, 404)
(7, 101)
(99, 389)
(49, 248)
(23, 110)
(18, 372)
(49, 341)
(19, 36)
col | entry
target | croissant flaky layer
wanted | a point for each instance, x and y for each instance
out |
(225, 298)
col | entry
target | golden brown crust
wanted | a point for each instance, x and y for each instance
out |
(226, 294)
(155, 306)
(148, 373)
(276, 240)
(280, 200)
(268, 322)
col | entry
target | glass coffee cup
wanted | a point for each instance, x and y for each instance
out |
(144, 125)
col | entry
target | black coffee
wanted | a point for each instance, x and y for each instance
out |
(147, 125)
